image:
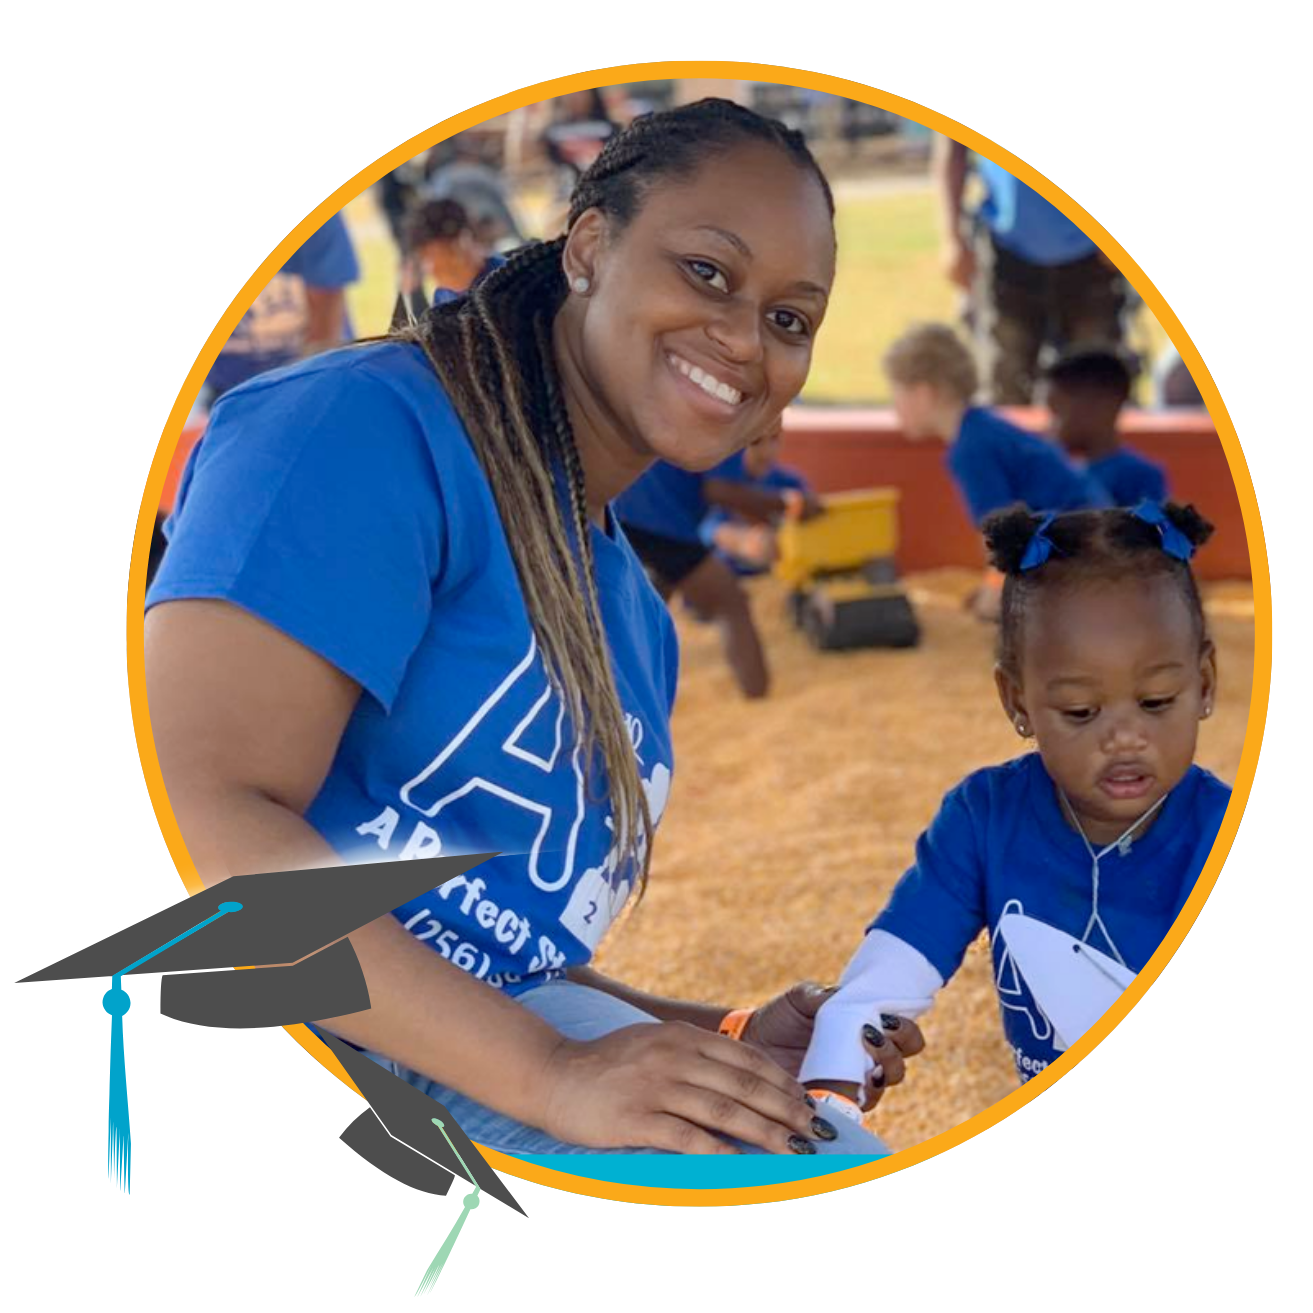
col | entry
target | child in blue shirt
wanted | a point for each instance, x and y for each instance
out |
(748, 547)
(662, 514)
(994, 463)
(1076, 858)
(1086, 390)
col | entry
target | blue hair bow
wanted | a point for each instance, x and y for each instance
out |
(1175, 543)
(1040, 547)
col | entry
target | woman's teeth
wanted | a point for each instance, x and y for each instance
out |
(707, 382)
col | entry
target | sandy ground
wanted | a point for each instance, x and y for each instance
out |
(791, 820)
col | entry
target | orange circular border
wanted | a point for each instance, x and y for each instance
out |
(982, 145)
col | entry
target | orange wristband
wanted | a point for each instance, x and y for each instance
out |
(733, 1024)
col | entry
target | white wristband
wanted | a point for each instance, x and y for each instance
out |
(837, 1103)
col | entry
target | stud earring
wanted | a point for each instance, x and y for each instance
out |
(1022, 728)
(581, 285)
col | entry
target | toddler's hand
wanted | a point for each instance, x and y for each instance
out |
(900, 1039)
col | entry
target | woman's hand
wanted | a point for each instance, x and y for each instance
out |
(782, 1028)
(677, 1087)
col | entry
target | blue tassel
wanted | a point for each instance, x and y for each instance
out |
(116, 1003)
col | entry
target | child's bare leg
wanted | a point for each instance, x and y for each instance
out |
(713, 591)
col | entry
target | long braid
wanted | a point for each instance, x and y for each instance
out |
(492, 350)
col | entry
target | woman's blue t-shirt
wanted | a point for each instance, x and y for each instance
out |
(340, 501)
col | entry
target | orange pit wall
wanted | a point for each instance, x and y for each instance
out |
(839, 449)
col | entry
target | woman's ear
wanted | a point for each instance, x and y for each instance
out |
(1014, 707)
(583, 245)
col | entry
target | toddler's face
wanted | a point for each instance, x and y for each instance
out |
(1113, 686)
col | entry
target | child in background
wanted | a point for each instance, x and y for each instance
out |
(661, 515)
(994, 463)
(748, 548)
(301, 312)
(1085, 391)
(442, 250)
(1091, 844)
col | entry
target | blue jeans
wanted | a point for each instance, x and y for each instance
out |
(582, 1013)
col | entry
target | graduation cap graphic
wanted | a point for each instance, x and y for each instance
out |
(269, 921)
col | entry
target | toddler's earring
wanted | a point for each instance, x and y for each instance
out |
(1022, 728)
(1207, 711)
(581, 285)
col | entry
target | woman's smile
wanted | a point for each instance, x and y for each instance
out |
(717, 397)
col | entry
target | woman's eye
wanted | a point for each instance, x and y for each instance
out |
(709, 274)
(1080, 715)
(793, 324)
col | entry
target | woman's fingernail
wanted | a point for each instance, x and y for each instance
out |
(822, 1129)
(890, 1023)
(872, 1036)
(808, 1100)
(798, 1145)
(877, 1076)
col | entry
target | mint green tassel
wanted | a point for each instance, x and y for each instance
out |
(468, 1204)
(116, 1003)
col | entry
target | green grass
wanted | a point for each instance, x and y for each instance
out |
(888, 278)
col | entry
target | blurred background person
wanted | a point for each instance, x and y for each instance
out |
(1086, 390)
(1035, 279)
(465, 169)
(301, 311)
(441, 252)
(1173, 384)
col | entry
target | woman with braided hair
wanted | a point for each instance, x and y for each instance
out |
(397, 619)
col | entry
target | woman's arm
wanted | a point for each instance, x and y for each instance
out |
(246, 723)
(706, 1016)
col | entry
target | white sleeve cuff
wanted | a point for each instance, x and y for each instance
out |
(886, 974)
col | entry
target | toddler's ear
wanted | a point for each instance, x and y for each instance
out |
(1010, 696)
(1207, 679)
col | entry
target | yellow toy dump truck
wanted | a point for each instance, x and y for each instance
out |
(840, 568)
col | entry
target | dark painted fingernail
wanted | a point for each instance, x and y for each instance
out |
(822, 1129)
(890, 1023)
(872, 1036)
(798, 1145)
(808, 1100)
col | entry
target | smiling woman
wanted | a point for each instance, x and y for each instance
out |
(397, 618)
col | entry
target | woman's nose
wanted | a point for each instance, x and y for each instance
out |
(737, 332)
